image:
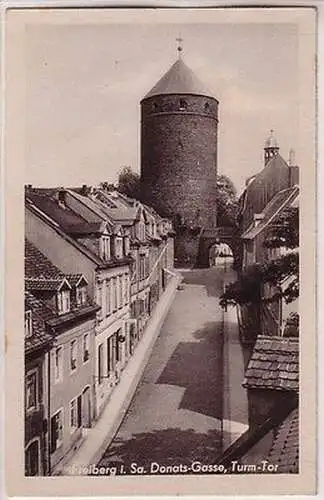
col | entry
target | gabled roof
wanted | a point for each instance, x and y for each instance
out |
(274, 364)
(285, 448)
(279, 202)
(179, 79)
(47, 285)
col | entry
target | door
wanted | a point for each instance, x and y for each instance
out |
(32, 459)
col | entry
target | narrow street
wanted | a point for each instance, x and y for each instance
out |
(190, 401)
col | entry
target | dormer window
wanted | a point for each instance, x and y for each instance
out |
(105, 247)
(119, 247)
(81, 295)
(126, 245)
(28, 324)
(141, 231)
(183, 105)
(63, 301)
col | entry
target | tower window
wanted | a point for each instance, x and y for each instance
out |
(183, 105)
(154, 107)
(207, 107)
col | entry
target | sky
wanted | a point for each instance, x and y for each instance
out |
(85, 82)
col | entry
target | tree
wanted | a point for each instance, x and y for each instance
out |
(227, 202)
(284, 232)
(129, 182)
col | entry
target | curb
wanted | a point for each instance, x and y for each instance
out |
(131, 375)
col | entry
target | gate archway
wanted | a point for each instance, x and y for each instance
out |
(210, 237)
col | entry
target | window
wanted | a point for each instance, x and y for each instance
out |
(81, 295)
(126, 245)
(120, 290)
(119, 248)
(125, 285)
(108, 298)
(28, 324)
(76, 413)
(141, 231)
(73, 355)
(85, 347)
(127, 290)
(114, 292)
(73, 415)
(56, 431)
(111, 354)
(183, 105)
(105, 247)
(99, 300)
(116, 344)
(58, 364)
(31, 391)
(63, 301)
(100, 363)
(207, 107)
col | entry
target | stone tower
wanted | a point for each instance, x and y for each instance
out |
(179, 120)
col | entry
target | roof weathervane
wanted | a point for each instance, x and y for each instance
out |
(180, 47)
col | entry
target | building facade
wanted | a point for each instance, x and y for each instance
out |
(37, 347)
(70, 402)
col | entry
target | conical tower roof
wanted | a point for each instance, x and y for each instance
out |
(179, 80)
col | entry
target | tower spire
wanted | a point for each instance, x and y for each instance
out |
(180, 47)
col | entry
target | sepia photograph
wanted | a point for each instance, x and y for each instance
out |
(160, 193)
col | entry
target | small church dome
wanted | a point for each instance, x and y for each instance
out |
(271, 141)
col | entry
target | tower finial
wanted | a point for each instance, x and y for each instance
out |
(179, 48)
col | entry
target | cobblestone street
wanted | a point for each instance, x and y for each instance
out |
(178, 411)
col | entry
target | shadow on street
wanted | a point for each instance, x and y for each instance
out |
(167, 447)
(197, 366)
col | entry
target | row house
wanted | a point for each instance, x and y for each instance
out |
(70, 397)
(150, 244)
(37, 345)
(267, 197)
(78, 239)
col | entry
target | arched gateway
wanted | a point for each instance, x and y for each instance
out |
(210, 237)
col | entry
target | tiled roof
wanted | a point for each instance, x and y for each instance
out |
(84, 228)
(42, 274)
(179, 79)
(44, 284)
(45, 200)
(40, 313)
(285, 448)
(274, 364)
(39, 266)
(280, 201)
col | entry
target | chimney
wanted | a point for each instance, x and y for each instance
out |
(61, 193)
